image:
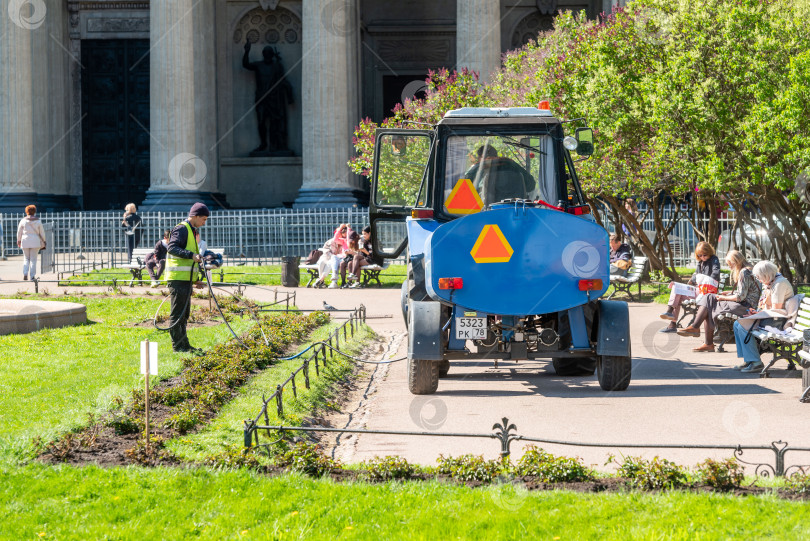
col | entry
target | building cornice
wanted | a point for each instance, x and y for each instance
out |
(89, 5)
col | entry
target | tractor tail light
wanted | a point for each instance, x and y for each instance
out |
(579, 211)
(422, 213)
(590, 285)
(451, 283)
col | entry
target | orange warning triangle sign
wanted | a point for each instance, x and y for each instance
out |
(464, 198)
(491, 246)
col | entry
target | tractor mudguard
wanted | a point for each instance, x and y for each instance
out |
(425, 330)
(613, 331)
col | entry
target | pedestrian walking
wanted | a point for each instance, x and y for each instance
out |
(181, 261)
(31, 238)
(131, 223)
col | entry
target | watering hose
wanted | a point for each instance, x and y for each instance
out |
(216, 302)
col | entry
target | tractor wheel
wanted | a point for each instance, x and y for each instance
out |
(423, 376)
(403, 299)
(444, 368)
(613, 372)
(582, 366)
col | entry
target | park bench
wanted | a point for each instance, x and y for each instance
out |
(785, 346)
(689, 306)
(137, 264)
(367, 274)
(634, 275)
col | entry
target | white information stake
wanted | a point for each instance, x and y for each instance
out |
(149, 365)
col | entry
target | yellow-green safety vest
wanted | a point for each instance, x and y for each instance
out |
(178, 268)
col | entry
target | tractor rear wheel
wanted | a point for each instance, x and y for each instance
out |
(423, 376)
(444, 368)
(613, 372)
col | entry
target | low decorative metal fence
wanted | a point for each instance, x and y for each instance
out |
(318, 355)
(506, 433)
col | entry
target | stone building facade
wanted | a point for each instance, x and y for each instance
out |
(105, 102)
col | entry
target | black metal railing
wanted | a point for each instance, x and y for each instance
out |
(506, 433)
(318, 356)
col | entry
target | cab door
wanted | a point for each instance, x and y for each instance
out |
(400, 179)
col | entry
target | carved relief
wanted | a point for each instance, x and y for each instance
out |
(279, 26)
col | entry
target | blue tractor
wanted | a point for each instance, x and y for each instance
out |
(505, 261)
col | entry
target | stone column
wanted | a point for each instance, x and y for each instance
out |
(53, 131)
(16, 110)
(330, 105)
(184, 159)
(478, 36)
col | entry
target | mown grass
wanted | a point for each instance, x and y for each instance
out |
(225, 430)
(53, 378)
(269, 275)
(136, 503)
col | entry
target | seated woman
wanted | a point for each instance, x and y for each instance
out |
(351, 253)
(362, 258)
(745, 296)
(775, 292)
(333, 253)
(709, 265)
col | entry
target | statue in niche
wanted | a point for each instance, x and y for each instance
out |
(273, 94)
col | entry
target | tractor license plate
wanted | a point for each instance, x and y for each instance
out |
(471, 328)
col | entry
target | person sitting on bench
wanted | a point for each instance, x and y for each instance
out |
(708, 265)
(621, 257)
(776, 291)
(363, 258)
(333, 253)
(156, 260)
(745, 296)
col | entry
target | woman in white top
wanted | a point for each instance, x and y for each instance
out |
(31, 238)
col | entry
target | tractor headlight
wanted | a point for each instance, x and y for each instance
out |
(570, 143)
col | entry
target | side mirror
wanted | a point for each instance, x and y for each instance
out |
(584, 141)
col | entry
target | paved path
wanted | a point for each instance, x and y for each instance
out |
(676, 396)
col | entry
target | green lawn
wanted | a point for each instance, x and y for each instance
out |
(134, 503)
(269, 275)
(53, 378)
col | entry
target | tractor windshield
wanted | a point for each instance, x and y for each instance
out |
(502, 167)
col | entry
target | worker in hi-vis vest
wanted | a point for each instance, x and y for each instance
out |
(182, 258)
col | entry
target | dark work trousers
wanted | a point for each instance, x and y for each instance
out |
(155, 268)
(180, 291)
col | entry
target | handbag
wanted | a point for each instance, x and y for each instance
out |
(623, 264)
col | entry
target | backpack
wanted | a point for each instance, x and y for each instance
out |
(313, 257)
